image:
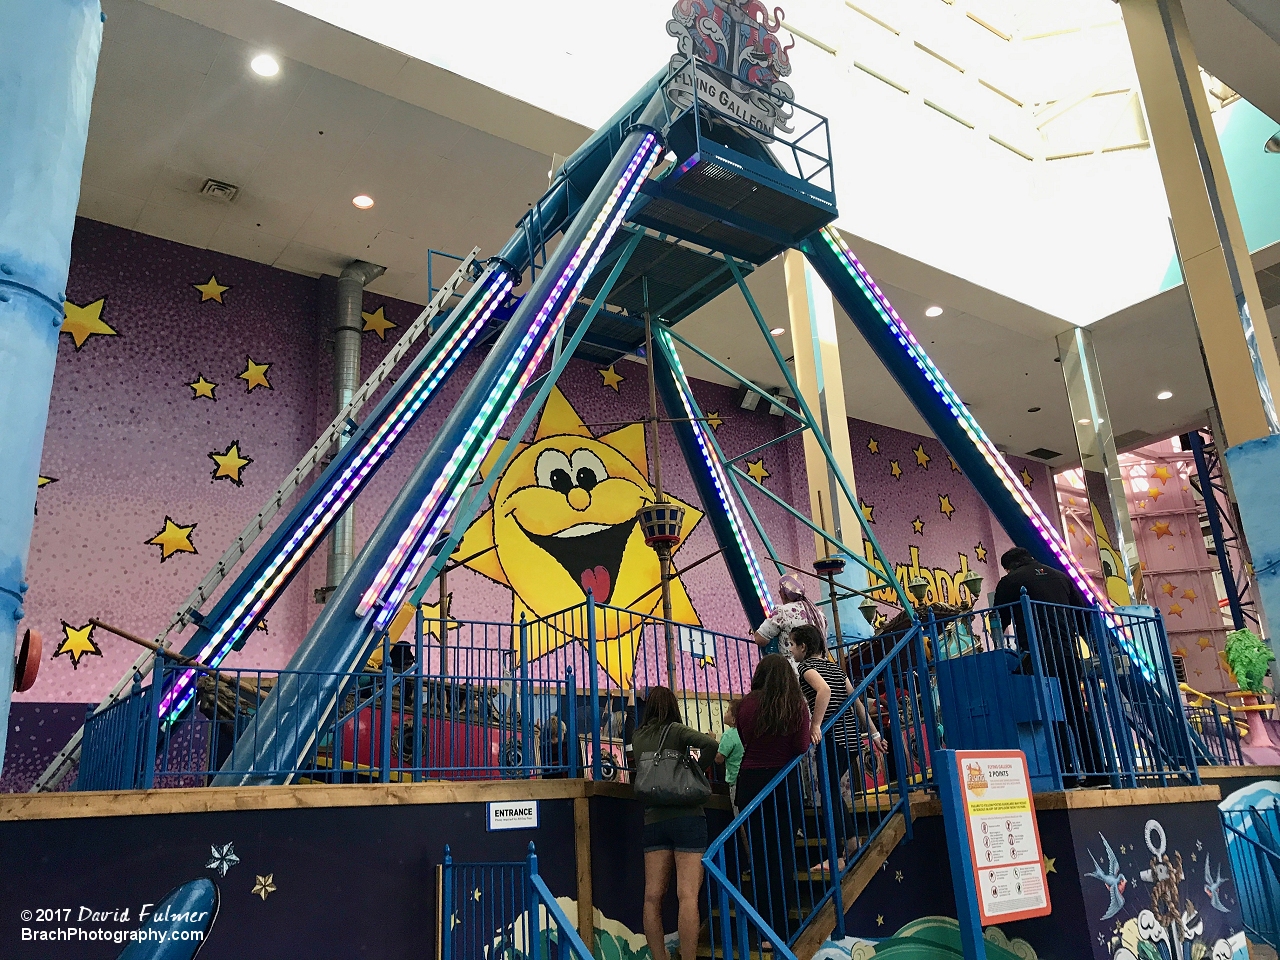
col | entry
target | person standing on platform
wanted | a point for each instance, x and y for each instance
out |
(774, 723)
(1062, 634)
(774, 634)
(730, 752)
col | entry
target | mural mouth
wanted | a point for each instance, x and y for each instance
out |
(591, 553)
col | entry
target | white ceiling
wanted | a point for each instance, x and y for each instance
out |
(453, 164)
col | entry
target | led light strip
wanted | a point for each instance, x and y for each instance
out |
(486, 426)
(718, 477)
(980, 440)
(248, 611)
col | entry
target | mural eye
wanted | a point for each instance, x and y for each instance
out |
(588, 469)
(553, 470)
(1106, 568)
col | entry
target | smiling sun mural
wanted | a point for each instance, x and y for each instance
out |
(562, 520)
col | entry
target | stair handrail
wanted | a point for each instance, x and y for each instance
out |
(569, 941)
(1258, 898)
(715, 851)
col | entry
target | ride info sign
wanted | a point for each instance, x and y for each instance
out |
(1004, 839)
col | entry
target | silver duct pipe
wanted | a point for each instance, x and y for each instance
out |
(348, 328)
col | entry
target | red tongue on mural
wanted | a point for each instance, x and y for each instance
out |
(598, 582)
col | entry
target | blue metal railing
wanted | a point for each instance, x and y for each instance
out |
(1217, 730)
(793, 855)
(503, 910)
(120, 742)
(1253, 846)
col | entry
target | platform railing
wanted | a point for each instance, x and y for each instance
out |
(119, 743)
(784, 856)
(502, 910)
(1254, 852)
(1218, 731)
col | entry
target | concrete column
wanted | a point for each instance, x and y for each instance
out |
(1104, 484)
(48, 63)
(1235, 337)
(821, 383)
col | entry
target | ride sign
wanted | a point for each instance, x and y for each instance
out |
(1004, 838)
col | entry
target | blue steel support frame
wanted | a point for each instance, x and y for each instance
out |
(1209, 491)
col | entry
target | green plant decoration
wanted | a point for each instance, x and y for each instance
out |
(1248, 657)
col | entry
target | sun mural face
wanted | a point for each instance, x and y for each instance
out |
(563, 521)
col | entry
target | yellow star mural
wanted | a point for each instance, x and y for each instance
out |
(756, 470)
(944, 505)
(262, 886)
(211, 289)
(1049, 863)
(255, 375)
(954, 466)
(1167, 589)
(1027, 478)
(45, 481)
(173, 538)
(917, 525)
(77, 643)
(868, 511)
(1180, 652)
(1156, 493)
(229, 464)
(873, 445)
(1162, 474)
(714, 421)
(1161, 529)
(1204, 643)
(1176, 610)
(981, 553)
(895, 470)
(922, 458)
(611, 378)
(1189, 594)
(377, 322)
(203, 388)
(84, 322)
(561, 521)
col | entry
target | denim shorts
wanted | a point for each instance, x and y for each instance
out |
(681, 834)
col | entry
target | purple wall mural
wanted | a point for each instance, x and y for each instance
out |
(189, 382)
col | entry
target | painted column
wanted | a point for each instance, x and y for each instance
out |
(1235, 337)
(1104, 484)
(48, 61)
(818, 375)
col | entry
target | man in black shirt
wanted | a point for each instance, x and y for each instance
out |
(1063, 639)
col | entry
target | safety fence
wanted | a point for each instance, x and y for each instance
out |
(1219, 731)
(1253, 845)
(502, 910)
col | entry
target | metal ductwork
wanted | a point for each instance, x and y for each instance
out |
(348, 327)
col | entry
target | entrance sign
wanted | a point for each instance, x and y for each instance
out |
(1004, 838)
(513, 814)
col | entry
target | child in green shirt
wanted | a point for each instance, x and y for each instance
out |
(730, 752)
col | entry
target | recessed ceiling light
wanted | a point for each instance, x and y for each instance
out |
(362, 202)
(1164, 395)
(265, 65)
(933, 312)
(1083, 421)
(1033, 409)
(777, 332)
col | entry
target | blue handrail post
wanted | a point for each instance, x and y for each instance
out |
(925, 682)
(1184, 730)
(526, 702)
(899, 752)
(1037, 668)
(446, 906)
(534, 946)
(385, 758)
(1125, 775)
(151, 718)
(597, 772)
(726, 923)
(418, 693)
(571, 737)
(829, 799)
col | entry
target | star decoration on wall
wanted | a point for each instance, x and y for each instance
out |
(377, 322)
(895, 470)
(756, 470)
(1176, 610)
(1162, 474)
(980, 552)
(955, 467)
(897, 875)
(1142, 504)
(262, 886)
(84, 322)
(922, 458)
(1049, 863)
(1027, 478)
(1182, 533)
(203, 388)
(1156, 493)
(229, 464)
(222, 858)
(77, 643)
(944, 505)
(1204, 643)
(211, 290)
(880, 620)
(1161, 529)
(868, 511)
(611, 378)
(1180, 652)
(917, 525)
(873, 445)
(713, 420)
(879, 919)
(173, 538)
(255, 375)
(1189, 594)
(42, 482)
(1168, 589)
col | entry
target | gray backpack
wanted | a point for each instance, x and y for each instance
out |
(670, 778)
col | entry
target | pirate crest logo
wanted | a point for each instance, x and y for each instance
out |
(738, 62)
